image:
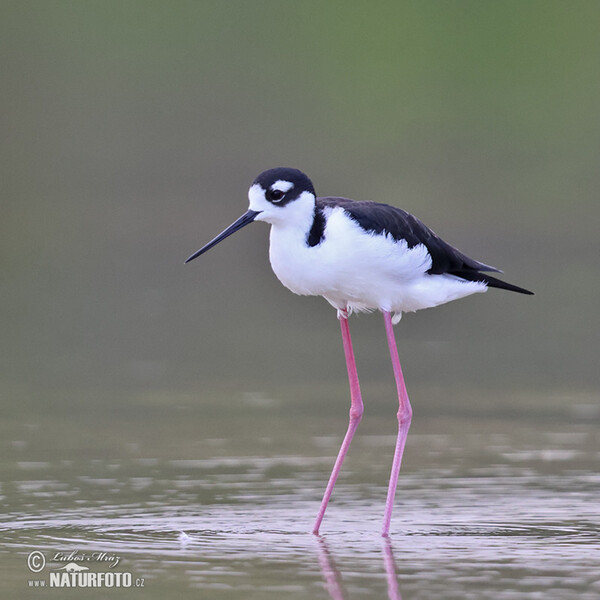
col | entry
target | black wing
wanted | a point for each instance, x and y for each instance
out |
(380, 218)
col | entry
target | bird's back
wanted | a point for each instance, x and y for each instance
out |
(382, 219)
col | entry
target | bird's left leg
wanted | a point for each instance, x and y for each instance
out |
(404, 418)
(356, 411)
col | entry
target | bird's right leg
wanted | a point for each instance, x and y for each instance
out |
(356, 412)
(404, 418)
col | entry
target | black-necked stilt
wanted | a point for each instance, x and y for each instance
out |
(359, 256)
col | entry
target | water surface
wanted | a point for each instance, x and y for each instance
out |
(210, 507)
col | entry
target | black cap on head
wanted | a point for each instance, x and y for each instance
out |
(301, 181)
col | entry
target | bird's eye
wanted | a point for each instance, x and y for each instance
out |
(275, 195)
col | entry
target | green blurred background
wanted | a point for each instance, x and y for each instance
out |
(132, 130)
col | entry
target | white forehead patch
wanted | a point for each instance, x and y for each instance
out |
(256, 193)
(282, 186)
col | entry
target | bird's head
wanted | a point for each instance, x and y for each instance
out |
(280, 195)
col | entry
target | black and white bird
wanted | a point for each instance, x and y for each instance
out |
(360, 256)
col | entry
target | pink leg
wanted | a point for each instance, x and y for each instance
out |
(404, 418)
(356, 411)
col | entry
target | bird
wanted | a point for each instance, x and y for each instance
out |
(360, 256)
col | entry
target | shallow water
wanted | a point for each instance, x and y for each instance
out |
(199, 506)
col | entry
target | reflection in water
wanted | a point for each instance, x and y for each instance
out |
(333, 578)
(390, 570)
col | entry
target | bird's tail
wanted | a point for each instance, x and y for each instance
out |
(491, 281)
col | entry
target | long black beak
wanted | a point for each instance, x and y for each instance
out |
(244, 220)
